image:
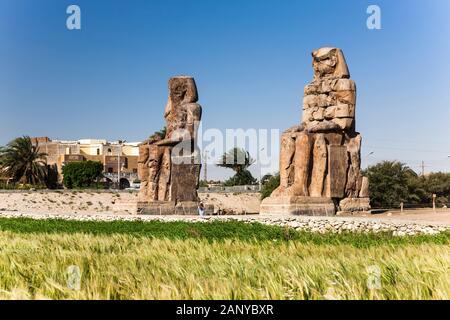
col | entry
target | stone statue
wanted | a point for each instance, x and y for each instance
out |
(320, 159)
(169, 166)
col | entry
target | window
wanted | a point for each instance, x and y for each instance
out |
(110, 170)
(98, 152)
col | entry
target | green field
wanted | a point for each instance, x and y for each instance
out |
(218, 260)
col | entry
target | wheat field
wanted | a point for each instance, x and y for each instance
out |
(121, 266)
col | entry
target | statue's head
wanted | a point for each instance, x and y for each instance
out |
(182, 89)
(329, 63)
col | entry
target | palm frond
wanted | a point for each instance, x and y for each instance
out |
(21, 160)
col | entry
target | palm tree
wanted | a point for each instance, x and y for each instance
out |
(236, 159)
(20, 160)
(161, 133)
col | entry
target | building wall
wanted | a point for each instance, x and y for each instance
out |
(61, 152)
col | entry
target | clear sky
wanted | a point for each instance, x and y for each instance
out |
(250, 58)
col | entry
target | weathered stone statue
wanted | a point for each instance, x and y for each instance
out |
(169, 167)
(320, 159)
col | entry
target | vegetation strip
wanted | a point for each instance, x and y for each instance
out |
(211, 231)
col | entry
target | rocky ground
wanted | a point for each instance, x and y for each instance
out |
(106, 206)
(95, 202)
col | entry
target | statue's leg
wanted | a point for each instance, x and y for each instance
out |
(154, 167)
(143, 172)
(302, 160)
(354, 178)
(164, 175)
(286, 163)
(319, 166)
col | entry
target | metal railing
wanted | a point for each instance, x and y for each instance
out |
(234, 189)
(130, 176)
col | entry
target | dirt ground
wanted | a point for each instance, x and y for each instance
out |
(93, 202)
(119, 203)
(423, 216)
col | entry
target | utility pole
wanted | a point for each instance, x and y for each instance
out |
(118, 167)
(422, 168)
(205, 169)
(260, 173)
(119, 152)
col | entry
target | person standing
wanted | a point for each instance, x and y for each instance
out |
(201, 209)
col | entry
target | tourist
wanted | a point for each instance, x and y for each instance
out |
(201, 209)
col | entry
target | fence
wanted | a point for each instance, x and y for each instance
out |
(234, 189)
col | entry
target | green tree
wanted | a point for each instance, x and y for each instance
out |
(392, 182)
(239, 161)
(161, 134)
(269, 184)
(81, 174)
(22, 161)
(241, 178)
(437, 183)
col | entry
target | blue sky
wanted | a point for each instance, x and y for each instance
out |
(251, 60)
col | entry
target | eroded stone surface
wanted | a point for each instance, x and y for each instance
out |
(321, 158)
(169, 166)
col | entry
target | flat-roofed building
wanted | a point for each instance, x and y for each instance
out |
(115, 156)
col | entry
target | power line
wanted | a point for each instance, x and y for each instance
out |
(423, 166)
(404, 149)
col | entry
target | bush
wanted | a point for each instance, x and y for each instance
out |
(81, 174)
(392, 182)
(241, 178)
(203, 184)
(269, 184)
(437, 183)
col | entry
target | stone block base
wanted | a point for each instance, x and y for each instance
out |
(171, 208)
(354, 204)
(307, 206)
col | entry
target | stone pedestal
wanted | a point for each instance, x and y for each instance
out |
(354, 204)
(297, 205)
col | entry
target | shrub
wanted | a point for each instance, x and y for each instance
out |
(241, 178)
(269, 184)
(81, 174)
(203, 184)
